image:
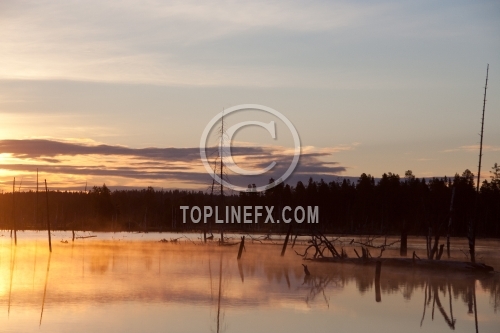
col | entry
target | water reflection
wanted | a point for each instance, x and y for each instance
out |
(12, 266)
(240, 270)
(34, 266)
(169, 285)
(45, 287)
(220, 295)
(316, 285)
(432, 293)
(434, 287)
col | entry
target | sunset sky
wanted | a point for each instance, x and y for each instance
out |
(119, 92)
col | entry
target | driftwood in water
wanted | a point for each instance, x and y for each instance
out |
(78, 237)
(242, 246)
(320, 244)
(286, 240)
(370, 244)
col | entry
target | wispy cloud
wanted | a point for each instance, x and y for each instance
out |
(473, 149)
(71, 162)
(178, 42)
(144, 42)
(38, 148)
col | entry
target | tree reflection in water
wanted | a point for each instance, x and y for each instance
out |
(317, 284)
(222, 284)
(439, 289)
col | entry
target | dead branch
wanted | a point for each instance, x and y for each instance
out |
(304, 255)
(383, 246)
(254, 239)
(381, 251)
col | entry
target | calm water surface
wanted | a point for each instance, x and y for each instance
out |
(133, 283)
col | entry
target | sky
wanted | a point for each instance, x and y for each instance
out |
(119, 92)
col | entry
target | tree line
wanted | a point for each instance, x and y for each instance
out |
(388, 205)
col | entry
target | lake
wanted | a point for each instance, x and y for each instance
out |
(131, 282)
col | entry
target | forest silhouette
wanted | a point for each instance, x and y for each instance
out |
(389, 205)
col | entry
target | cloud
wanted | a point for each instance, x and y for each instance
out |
(72, 160)
(126, 172)
(473, 149)
(39, 148)
(276, 43)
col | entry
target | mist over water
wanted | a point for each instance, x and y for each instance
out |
(125, 282)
